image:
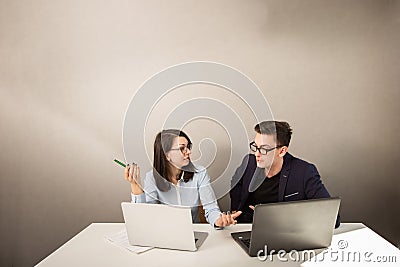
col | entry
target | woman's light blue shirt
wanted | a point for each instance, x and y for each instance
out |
(197, 191)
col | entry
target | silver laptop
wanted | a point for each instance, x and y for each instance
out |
(161, 226)
(296, 225)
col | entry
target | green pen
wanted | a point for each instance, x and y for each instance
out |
(120, 163)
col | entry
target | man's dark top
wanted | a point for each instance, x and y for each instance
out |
(298, 180)
(267, 192)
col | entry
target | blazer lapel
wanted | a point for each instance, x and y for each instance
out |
(284, 176)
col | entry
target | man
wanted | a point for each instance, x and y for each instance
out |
(272, 174)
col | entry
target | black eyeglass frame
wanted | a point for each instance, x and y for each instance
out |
(263, 151)
(184, 148)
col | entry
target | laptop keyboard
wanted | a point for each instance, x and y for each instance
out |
(246, 242)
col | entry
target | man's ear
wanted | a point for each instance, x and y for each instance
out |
(282, 151)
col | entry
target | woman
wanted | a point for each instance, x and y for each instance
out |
(176, 181)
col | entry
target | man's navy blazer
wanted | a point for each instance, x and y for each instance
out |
(299, 180)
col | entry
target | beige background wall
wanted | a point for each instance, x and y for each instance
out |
(68, 70)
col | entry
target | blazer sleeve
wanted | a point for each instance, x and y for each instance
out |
(237, 184)
(314, 188)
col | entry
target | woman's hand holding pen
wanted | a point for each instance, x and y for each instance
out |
(226, 219)
(132, 175)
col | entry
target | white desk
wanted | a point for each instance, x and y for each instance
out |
(90, 248)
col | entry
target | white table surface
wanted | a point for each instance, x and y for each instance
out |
(90, 248)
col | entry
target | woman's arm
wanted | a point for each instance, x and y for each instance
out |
(138, 195)
(207, 198)
(211, 210)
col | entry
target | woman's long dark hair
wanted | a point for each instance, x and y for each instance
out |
(162, 168)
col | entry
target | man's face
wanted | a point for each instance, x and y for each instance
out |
(265, 141)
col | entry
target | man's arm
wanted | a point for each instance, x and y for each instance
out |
(237, 184)
(314, 188)
(235, 193)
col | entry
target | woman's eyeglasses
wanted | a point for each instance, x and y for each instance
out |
(184, 149)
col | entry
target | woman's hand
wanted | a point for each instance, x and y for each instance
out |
(226, 219)
(132, 175)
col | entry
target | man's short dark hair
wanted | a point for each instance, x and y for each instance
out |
(279, 129)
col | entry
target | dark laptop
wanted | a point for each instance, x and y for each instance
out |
(296, 225)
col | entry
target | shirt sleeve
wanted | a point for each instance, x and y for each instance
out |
(150, 194)
(138, 198)
(207, 198)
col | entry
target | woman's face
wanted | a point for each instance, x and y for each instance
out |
(179, 155)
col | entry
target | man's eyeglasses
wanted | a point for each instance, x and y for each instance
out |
(184, 149)
(262, 150)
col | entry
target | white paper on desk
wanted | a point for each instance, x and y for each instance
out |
(121, 239)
